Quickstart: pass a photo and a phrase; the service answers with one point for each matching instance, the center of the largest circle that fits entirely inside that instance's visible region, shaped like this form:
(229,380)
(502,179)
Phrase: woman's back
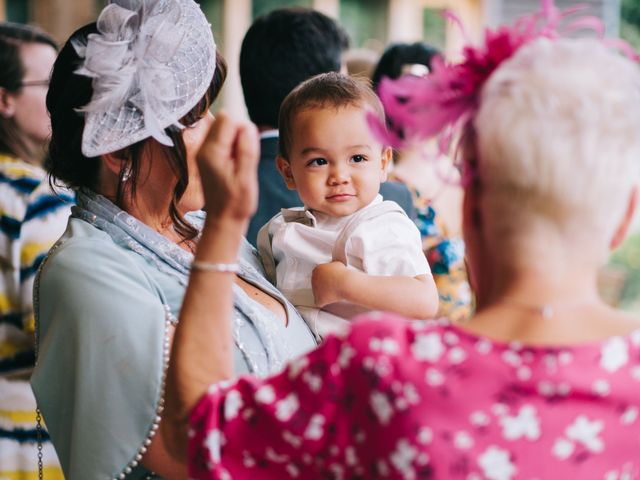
(429,400)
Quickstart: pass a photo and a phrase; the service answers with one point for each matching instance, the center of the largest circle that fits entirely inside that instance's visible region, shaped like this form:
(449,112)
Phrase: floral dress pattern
(423,400)
(445,254)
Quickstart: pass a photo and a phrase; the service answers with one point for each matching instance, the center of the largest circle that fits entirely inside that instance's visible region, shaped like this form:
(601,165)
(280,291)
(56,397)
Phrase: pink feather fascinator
(442,103)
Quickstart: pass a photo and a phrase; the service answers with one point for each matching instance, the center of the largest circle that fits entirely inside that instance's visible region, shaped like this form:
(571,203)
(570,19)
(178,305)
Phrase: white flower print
(562,448)
(457,355)
(479,419)
(315,429)
(635,337)
(291,439)
(423,459)
(273,456)
(450,338)
(434,377)
(525,424)
(346,354)
(523,373)
(411,394)
(292,470)
(402,458)
(213,442)
(563,389)
(483,347)
(425,436)
(350,456)
(511,358)
(586,432)
(313,381)
(614,354)
(462,440)
(381,407)
(384,345)
(496,464)
(383,468)
(286,407)
(546,388)
(629,416)
(565,358)
(247,460)
(601,387)
(635,373)
(297,365)
(427,347)
(265,394)
(499,409)
(232,405)
(551,363)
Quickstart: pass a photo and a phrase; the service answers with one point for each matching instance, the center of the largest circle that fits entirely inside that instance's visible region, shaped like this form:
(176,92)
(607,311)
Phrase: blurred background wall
(371,23)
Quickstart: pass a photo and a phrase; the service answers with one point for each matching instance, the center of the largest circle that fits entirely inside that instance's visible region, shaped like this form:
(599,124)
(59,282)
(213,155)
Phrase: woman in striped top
(32,217)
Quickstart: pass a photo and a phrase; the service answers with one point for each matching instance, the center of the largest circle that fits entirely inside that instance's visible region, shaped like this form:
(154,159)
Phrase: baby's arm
(414,297)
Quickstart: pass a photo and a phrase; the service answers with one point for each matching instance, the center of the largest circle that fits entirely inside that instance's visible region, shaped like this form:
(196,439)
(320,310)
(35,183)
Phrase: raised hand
(228,162)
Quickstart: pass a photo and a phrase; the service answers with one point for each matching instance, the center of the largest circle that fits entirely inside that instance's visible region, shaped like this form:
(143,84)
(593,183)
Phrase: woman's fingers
(228,167)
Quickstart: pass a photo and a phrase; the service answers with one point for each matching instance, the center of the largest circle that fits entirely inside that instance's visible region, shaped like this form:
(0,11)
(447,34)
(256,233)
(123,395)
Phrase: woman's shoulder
(84,253)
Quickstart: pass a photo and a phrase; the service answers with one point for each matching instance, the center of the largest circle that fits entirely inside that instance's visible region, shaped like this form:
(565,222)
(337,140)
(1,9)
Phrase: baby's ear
(386,159)
(284,167)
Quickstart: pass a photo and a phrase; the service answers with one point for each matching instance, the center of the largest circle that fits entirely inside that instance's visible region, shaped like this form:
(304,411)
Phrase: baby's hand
(326,281)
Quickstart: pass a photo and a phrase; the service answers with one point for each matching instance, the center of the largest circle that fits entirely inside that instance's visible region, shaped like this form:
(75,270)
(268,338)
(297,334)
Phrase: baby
(346,251)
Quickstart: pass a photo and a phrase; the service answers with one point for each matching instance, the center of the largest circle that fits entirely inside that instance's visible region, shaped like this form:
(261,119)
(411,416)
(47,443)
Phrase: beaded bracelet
(215,267)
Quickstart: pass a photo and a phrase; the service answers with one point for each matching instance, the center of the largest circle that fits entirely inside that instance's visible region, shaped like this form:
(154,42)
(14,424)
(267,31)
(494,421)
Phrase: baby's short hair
(327,90)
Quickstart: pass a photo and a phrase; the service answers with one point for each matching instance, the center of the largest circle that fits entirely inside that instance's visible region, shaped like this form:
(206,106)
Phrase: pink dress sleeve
(314,416)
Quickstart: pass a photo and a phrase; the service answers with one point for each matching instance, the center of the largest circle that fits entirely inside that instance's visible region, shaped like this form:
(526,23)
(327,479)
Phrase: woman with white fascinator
(129,103)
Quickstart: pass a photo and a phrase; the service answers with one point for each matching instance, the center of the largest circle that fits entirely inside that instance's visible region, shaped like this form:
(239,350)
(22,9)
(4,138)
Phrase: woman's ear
(623,228)
(113,163)
(284,167)
(7,103)
(387,158)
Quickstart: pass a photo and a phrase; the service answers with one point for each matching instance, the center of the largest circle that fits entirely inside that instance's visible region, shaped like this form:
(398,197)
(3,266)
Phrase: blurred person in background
(33,217)
(436,191)
(280,50)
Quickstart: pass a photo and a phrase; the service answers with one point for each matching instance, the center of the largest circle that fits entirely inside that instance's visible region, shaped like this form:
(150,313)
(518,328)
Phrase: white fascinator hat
(150,62)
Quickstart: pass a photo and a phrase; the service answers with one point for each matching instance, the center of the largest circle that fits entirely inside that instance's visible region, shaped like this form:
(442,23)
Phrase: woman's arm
(414,297)
(202,347)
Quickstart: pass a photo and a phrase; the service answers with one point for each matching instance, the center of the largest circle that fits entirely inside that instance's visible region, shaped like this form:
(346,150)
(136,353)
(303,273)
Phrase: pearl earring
(126,174)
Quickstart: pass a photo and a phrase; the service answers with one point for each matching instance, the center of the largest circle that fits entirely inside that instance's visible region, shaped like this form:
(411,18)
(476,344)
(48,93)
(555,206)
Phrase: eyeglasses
(35,83)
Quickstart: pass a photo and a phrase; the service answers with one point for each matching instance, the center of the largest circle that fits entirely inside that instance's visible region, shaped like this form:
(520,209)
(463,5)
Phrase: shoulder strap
(339,252)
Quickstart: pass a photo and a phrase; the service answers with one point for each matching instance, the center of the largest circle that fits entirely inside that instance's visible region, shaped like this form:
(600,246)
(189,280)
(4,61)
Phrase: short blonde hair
(558,137)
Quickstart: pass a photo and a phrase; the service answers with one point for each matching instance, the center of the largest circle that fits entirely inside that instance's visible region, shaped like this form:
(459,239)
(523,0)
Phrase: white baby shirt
(379,240)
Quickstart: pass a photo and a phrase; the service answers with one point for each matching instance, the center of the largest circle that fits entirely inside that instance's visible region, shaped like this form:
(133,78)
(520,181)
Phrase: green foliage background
(626,259)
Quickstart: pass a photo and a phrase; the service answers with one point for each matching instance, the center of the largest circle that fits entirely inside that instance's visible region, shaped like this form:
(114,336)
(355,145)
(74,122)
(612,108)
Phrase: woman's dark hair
(399,55)
(12,71)
(69,91)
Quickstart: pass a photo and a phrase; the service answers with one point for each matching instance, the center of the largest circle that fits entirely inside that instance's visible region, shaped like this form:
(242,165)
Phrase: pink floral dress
(417,400)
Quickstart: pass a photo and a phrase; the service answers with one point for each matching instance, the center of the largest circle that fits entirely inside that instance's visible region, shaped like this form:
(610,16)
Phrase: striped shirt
(32,217)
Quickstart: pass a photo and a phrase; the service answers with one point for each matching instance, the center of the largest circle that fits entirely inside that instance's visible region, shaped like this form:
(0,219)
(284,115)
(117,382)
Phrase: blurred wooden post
(330,8)
(62,17)
(3,10)
(405,20)
(236,21)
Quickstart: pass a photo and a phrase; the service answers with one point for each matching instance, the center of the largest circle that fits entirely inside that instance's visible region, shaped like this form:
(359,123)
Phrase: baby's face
(335,163)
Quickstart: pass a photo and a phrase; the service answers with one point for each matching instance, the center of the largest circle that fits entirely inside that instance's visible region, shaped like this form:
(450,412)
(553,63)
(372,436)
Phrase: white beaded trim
(169,321)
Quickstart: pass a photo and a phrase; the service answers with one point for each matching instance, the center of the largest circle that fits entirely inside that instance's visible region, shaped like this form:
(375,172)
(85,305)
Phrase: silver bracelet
(215,267)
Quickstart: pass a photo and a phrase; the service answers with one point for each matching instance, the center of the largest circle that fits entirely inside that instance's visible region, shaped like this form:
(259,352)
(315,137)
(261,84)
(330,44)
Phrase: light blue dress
(103,313)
